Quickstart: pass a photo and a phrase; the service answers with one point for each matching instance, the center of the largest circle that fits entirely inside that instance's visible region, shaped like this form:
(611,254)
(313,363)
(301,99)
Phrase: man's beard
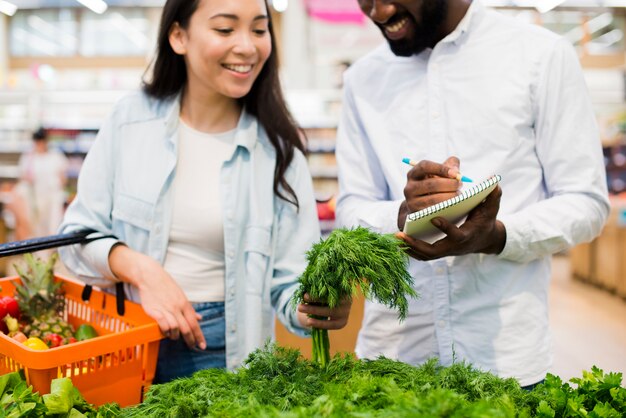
(424,34)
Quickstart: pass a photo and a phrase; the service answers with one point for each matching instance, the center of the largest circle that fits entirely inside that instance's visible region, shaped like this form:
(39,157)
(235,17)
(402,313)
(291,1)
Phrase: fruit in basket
(13,329)
(85,332)
(19,337)
(8,306)
(52,340)
(35,344)
(41,300)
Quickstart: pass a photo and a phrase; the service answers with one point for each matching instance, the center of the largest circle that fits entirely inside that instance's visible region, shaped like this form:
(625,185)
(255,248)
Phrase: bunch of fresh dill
(352,260)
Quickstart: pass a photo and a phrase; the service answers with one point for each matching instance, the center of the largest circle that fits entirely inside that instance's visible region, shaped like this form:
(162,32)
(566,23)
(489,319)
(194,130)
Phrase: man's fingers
(452,162)
(451,230)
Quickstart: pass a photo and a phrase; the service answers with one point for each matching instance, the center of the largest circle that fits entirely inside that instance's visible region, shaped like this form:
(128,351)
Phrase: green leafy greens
(352,260)
(278,382)
(64,400)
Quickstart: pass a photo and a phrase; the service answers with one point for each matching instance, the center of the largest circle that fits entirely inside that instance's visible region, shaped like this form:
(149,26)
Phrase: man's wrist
(498,240)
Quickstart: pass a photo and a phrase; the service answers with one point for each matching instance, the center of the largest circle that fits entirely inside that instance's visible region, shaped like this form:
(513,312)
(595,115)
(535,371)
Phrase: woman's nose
(244,45)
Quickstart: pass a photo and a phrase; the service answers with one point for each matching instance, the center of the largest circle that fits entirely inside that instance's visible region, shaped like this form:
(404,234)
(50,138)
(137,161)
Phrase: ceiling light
(280,5)
(96,6)
(547,5)
(7,8)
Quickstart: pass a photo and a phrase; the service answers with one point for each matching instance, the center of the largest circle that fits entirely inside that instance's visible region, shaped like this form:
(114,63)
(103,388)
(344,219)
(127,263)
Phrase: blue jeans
(534,385)
(177,360)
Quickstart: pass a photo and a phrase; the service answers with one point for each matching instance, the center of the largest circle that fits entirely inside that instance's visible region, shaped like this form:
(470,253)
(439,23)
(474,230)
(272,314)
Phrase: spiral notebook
(455,209)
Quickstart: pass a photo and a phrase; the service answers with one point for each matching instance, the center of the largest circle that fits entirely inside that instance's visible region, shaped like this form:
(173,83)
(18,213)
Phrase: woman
(202,178)
(42,185)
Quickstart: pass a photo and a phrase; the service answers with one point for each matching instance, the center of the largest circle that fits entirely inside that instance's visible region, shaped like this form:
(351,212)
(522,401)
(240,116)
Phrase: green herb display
(350,260)
(64,400)
(278,382)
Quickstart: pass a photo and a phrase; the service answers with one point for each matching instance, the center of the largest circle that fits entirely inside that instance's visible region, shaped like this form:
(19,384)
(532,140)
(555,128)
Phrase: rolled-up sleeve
(570,152)
(298,230)
(91,209)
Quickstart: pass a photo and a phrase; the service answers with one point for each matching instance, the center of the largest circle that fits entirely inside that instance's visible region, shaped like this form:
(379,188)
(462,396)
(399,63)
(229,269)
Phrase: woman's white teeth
(239,68)
(396,26)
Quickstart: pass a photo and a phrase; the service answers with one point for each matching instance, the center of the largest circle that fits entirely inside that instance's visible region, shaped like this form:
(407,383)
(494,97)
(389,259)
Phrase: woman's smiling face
(225,46)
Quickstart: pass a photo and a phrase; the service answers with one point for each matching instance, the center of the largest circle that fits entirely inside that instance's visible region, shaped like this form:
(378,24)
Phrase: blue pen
(459,177)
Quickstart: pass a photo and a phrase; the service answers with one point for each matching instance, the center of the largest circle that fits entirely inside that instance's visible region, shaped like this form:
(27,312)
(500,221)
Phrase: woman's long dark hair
(265,100)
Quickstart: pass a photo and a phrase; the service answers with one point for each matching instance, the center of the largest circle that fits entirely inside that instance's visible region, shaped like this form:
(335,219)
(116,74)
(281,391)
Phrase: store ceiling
(554,3)
(38,4)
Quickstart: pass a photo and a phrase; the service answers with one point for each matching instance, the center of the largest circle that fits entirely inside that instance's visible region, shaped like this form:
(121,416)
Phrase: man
(461,87)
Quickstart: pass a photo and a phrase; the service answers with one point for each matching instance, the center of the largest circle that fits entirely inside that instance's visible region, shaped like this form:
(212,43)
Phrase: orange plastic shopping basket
(117,366)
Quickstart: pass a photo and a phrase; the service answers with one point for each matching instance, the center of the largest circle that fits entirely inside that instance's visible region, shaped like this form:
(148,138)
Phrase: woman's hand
(161,297)
(336,318)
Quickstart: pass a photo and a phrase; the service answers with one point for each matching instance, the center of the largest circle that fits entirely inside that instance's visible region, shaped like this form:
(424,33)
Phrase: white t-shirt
(195,252)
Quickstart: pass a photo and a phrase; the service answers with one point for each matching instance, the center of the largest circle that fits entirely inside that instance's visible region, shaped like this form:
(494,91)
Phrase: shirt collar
(473,14)
(172,113)
(247,127)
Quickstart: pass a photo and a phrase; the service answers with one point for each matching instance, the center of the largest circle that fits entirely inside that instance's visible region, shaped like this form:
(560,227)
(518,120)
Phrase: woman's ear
(178,39)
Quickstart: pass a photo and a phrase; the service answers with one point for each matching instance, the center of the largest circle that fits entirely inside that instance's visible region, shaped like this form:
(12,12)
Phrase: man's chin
(404,49)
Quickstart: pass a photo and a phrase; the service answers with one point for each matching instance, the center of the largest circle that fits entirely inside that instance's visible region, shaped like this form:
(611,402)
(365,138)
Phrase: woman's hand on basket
(161,297)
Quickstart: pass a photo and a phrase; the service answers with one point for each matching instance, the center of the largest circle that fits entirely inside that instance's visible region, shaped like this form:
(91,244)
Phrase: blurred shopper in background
(462,85)
(203,180)
(43,176)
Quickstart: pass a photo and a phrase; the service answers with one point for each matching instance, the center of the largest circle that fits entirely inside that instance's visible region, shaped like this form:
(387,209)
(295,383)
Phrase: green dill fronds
(357,259)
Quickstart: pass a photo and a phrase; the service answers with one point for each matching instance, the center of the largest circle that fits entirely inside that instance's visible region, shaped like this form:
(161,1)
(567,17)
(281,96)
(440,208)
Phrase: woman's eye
(224,31)
(260,31)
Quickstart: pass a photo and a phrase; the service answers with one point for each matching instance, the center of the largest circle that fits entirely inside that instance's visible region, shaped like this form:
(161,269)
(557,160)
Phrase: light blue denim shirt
(125,189)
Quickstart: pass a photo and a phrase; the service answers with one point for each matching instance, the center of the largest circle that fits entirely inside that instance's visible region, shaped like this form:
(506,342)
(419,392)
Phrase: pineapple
(41,300)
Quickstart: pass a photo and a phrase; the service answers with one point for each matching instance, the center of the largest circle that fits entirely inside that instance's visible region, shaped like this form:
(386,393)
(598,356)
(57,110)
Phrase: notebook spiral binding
(454,200)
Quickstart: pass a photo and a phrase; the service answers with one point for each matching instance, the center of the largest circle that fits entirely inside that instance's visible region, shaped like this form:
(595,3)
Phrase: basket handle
(83,236)
(120,296)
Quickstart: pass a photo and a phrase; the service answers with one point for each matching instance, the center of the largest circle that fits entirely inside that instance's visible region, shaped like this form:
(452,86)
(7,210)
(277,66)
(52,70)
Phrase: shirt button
(439,271)
(436,67)
(441,324)
(231,254)
(435,115)
(232,291)
(233,328)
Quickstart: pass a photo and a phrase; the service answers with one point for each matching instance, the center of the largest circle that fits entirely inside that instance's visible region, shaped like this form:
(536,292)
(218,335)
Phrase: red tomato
(3,313)
(11,307)
(53,340)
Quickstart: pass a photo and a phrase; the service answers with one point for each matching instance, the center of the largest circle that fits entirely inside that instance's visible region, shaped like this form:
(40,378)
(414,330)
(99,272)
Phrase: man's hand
(161,297)
(429,183)
(335,318)
(480,233)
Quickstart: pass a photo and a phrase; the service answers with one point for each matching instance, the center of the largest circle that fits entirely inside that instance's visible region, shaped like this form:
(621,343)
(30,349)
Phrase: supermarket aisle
(588,325)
